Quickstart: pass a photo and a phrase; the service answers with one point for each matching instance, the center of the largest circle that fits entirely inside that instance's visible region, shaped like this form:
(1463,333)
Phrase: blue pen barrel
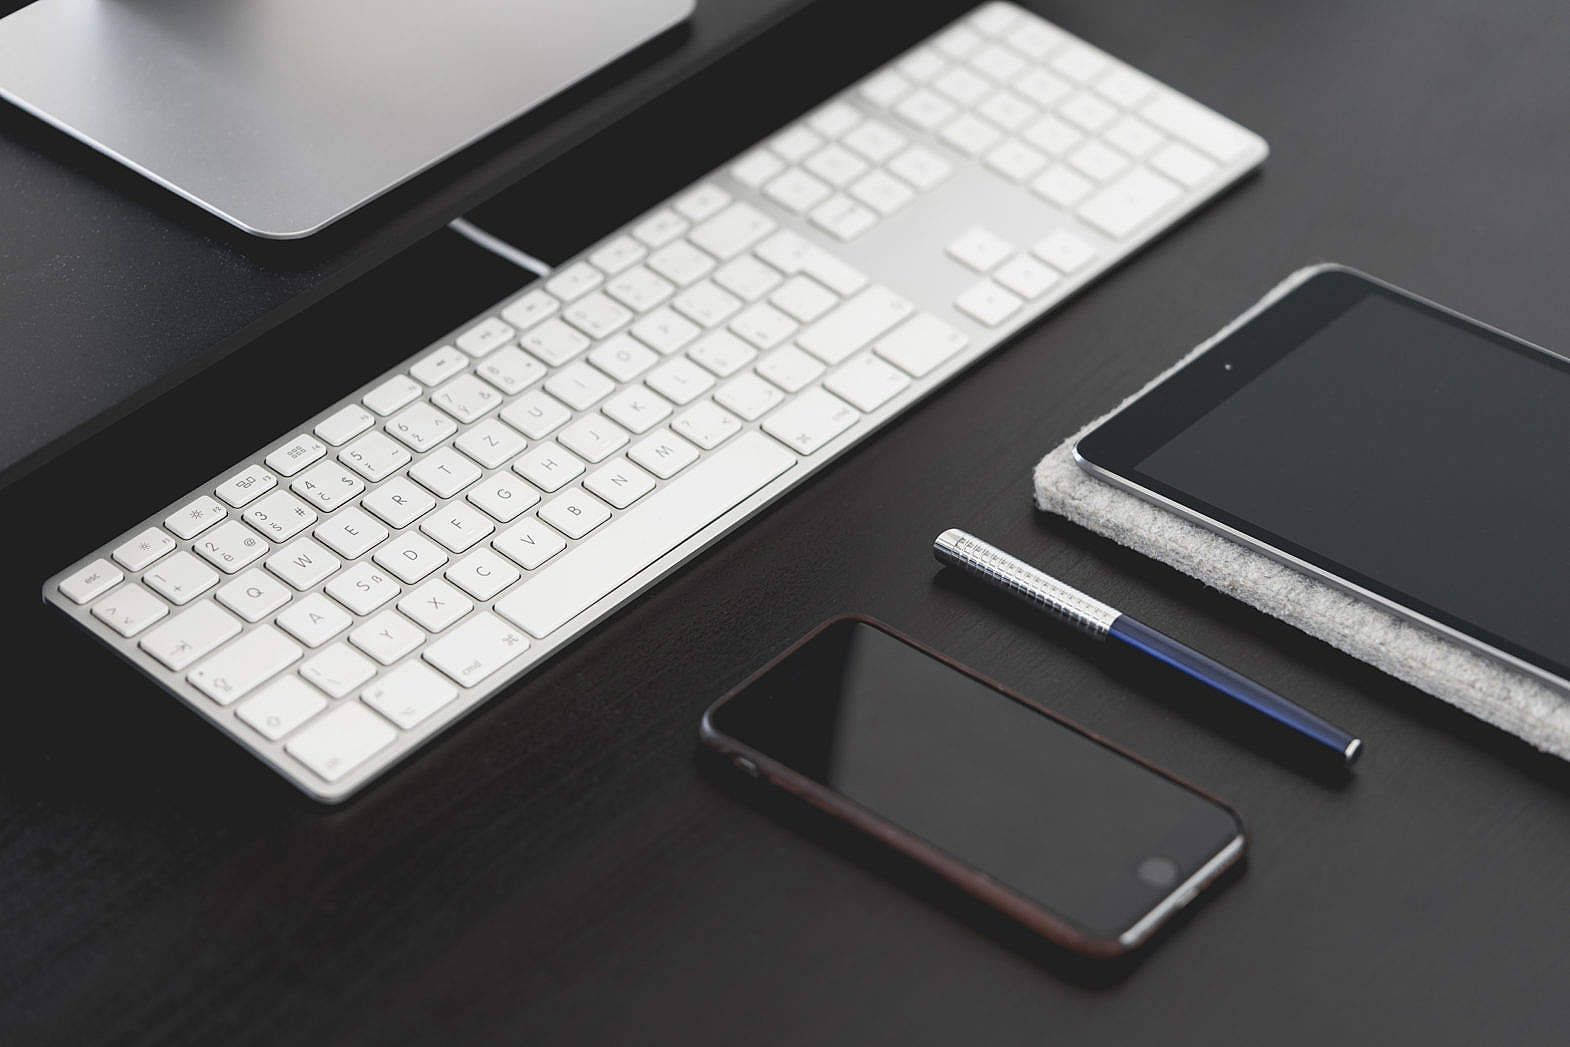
(1212,673)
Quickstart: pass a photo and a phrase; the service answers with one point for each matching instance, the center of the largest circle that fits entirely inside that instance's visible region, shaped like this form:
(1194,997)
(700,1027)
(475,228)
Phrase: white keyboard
(338,598)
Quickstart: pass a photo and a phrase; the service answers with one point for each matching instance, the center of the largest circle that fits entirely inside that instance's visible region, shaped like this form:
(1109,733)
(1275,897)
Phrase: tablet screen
(1411,452)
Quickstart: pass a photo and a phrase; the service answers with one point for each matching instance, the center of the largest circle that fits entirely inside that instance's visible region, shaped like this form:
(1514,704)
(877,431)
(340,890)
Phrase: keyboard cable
(499,247)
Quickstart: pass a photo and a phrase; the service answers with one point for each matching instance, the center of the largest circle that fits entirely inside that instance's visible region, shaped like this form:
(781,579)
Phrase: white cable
(522,259)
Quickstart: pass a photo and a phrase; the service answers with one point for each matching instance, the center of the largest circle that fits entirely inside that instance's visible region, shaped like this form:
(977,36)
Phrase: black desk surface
(561,868)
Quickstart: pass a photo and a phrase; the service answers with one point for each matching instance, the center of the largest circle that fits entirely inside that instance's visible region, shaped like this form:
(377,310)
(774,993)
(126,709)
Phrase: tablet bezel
(1264,335)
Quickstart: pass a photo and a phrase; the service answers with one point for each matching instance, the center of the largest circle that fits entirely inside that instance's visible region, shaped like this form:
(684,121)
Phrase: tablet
(1405,452)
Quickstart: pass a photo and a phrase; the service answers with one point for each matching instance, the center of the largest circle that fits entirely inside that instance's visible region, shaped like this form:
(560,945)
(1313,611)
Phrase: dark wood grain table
(563,868)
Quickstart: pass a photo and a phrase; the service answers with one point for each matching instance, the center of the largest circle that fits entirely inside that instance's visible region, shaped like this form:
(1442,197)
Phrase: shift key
(239,668)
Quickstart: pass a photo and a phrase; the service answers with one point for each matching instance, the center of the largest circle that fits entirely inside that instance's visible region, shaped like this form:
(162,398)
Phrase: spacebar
(643,534)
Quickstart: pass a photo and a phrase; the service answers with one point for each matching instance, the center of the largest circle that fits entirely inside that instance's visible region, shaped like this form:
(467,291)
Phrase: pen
(1089,615)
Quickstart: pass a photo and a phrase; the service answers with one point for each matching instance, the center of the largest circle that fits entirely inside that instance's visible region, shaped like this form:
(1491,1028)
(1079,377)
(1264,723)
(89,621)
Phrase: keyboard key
(491,443)
(926,110)
(281,706)
(866,382)
(1182,164)
(313,620)
(529,543)
(842,217)
(536,414)
(747,278)
(1015,161)
(93,580)
(680,263)
(1052,136)
(548,466)
(409,694)
(763,325)
(482,574)
(680,381)
(810,421)
(440,365)
(834,119)
(338,669)
(129,609)
(885,88)
(485,337)
(920,345)
(398,502)
(702,201)
(375,456)
(503,496)
(554,343)
(435,605)
(620,483)
(962,85)
(246,486)
(190,634)
(398,391)
(836,166)
(920,167)
(245,664)
(980,249)
(530,308)
(457,526)
(623,357)
(295,455)
(341,740)
(854,325)
(1026,277)
(663,453)
(1087,112)
(303,563)
(971,136)
(1128,203)
(596,316)
(195,517)
(180,578)
(988,303)
(142,550)
(796,190)
(421,426)
(1133,136)
(706,304)
(387,637)
(595,437)
(363,588)
(637,409)
(1062,185)
(1064,251)
(748,396)
(231,546)
(734,229)
(444,472)
(722,353)
(1079,63)
(1042,87)
(466,398)
(1196,126)
(640,289)
(542,604)
(476,649)
(280,516)
(574,281)
(660,228)
(875,140)
(342,426)
(351,533)
(789,368)
(706,424)
(1124,86)
(617,254)
(327,485)
(253,595)
(575,513)
(410,557)
(511,370)
(997,62)
(1098,161)
(665,331)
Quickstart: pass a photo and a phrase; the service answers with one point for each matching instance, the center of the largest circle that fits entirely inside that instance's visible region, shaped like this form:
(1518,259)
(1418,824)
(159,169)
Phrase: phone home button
(1158,872)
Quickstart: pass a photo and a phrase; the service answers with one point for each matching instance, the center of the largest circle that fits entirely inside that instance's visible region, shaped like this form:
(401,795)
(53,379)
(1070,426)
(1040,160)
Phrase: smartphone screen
(1093,837)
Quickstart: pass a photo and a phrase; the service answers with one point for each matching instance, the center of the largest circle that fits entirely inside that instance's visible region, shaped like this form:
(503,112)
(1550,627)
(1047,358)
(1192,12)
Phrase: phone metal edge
(1281,290)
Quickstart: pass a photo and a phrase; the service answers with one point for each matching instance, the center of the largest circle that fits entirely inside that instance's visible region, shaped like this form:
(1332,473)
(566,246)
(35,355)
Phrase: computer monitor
(282,116)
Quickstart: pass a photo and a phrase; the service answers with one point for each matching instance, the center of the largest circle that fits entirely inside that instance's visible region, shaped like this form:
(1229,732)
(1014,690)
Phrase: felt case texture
(1483,686)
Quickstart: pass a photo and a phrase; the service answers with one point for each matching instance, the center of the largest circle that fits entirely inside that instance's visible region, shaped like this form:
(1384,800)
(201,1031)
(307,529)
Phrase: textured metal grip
(1042,591)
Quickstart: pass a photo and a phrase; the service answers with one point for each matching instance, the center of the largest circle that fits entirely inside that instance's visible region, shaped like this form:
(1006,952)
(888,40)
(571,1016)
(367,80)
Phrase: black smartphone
(1084,843)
